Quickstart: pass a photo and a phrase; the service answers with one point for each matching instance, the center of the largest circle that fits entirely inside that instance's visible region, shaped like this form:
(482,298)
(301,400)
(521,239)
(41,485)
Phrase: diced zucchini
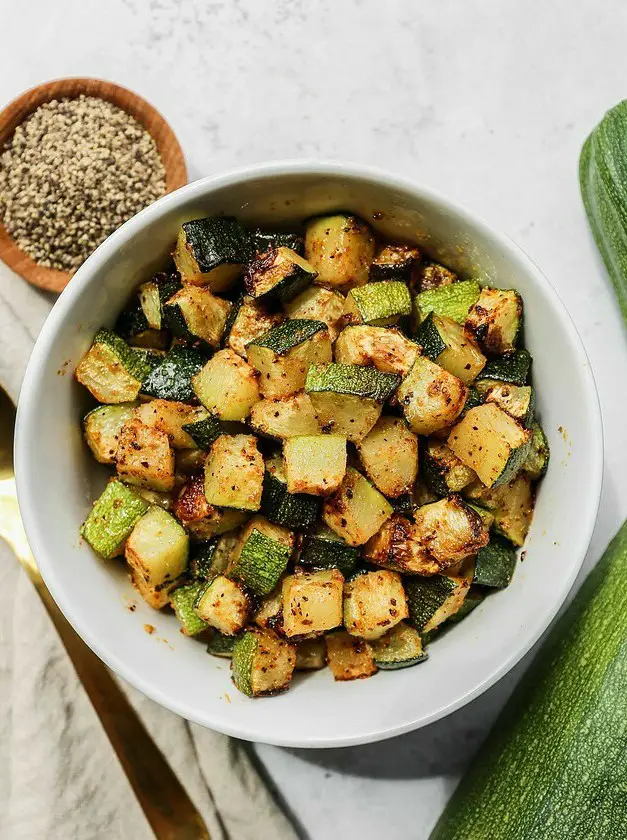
(374,602)
(450,530)
(102,429)
(145,457)
(319,304)
(201,519)
(397,546)
(141,322)
(495,564)
(487,517)
(285,418)
(433,600)
(325,550)
(264,240)
(400,647)
(293,510)
(171,379)
(513,515)
(170,417)
(442,470)
(311,655)
(279,274)
(394,262)
(453,300)
(270,612)
(513,368)
(379,304)
(389,454)
(212,252)
(432,276)
(182,600)
(112,518)
(111,370)
(157,550)
(431,397)
(537,460)
(387,349)
(312,601)
(348,398)
(203,564)
(470,602)
(348,657)
(262,555)
(227,386)
(223,604)
(495,320)
(220,645)
(340,248)
(314,464)
(491,443)
(284,354)
(444,341)
(150,302)
(357,510)
(262,663)
(251,320)
(517,400)
(234,473)
(204,432)
(195,313)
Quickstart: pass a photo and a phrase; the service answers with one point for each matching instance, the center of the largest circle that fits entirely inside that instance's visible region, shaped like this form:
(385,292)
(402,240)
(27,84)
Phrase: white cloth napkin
(59,777)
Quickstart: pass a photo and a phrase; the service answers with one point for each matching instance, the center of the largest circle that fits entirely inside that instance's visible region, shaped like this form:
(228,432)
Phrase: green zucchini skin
(261,563)
(205,432)
(603,183)
(360,381)
(292,510)
(430,339)
(513,368)
(425,596)
(183,600)
(171,379)
(553,766)
(320,552)
(473,399)
(265,240)
(495,563)
(454,300)
(537,461)
(290,334)
(217,240)
(221,645)
(201,564)
(112,518)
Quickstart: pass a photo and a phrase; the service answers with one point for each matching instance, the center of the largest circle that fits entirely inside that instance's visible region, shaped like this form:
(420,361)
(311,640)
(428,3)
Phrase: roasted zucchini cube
(251,320)
(517,400)
(234,473)
(227,386)
(280,505)
(348,399)
(171,378)
(397,546)
(445,341)
(112,518)
(285,418)
(374,602)
(357,510)
(451,300)
(495,320)
(434,600)
(400,647)
(537,461)
(195,313)
(318,304)
(145,457)
(432,276)
(495,564)
(325,550)
(442,470)
(491,443)
(379,304)
(102,428)
(170,417)
(387,349)
(157,551)
(450,530)
(513,368)
(311,655)
(261,555)
(263,664)
(224,604)
(431,397)
(348,657)
(284,355)
(389,454)
(204,432)
(182,601)
(340,248)
(280,274)
(111,370)
(201,519)
(269,615)
(514,511)
(312,601)
(394,262)
(314,464)
(212,252)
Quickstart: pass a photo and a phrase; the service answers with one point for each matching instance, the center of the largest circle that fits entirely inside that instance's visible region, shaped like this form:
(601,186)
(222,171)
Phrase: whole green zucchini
(553,767)
(603,181)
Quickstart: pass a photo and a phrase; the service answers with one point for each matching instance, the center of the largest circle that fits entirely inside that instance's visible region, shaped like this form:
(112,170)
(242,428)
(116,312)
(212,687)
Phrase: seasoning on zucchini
(250,319)
(227,386)
(400,647)
(172,378)
(234,473)
(389,454)
(442,470)
(145,457)
(182,600)
(341,249)
(357,510)
(444,341)
(452,300)
(348,657)
(374,603)
(223,604)
(212,252)
(314,464)
(387,349)
(495,320)
(286,418)
(379,304)
(517,400)
(280,274)
(111,370)
(204,432)
(293,510)
(262,663)
(195,314)
(262,554)
(112,518)
(495,564)
(450,530)
(394,262)
(312,601)
(537,460)
(324,549)
(102,428)
(318,304)
(397,546)
(433,275)
(170,417)
(433,600)
(512,367)
(431,397)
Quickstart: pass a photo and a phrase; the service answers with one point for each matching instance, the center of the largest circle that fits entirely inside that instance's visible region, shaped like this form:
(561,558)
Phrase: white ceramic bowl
(57,479)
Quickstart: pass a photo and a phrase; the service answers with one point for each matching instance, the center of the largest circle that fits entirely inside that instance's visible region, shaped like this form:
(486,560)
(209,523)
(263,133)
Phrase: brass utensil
(166,805)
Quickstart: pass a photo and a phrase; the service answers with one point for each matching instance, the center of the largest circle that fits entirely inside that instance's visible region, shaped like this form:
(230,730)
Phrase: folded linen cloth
(59,777)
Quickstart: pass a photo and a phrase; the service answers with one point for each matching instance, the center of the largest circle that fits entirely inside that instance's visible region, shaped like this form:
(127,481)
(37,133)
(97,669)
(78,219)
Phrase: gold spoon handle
(166,805)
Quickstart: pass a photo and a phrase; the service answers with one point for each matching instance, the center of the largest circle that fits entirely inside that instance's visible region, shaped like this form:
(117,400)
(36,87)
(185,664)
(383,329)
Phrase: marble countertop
(488,106)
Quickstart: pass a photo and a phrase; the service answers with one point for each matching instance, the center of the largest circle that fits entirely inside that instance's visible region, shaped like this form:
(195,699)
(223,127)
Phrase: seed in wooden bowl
(73,172)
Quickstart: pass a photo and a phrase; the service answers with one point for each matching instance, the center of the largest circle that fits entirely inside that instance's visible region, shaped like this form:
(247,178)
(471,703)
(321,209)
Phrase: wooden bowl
(16,112)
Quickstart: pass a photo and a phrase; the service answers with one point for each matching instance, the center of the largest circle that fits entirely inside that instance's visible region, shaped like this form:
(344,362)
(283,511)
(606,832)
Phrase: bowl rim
(28,408)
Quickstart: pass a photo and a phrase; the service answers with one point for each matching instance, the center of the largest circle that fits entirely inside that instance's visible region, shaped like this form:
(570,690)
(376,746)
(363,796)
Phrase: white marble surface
(487,102)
